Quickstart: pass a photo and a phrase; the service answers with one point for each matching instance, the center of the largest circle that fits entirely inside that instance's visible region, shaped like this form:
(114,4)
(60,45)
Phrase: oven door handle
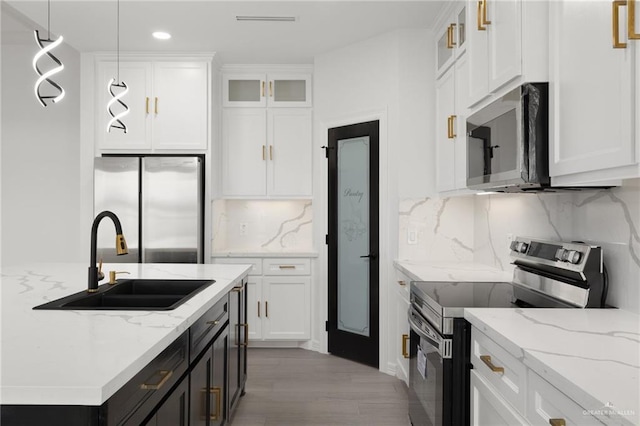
(443,346)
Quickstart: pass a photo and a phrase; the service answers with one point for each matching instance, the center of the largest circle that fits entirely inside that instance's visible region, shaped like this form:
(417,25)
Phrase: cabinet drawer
(135,400)
(500,368)
(292,266)
(256,263)
(545,402)
(205,329)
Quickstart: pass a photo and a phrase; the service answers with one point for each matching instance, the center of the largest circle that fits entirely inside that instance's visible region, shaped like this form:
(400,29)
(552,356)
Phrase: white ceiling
(210,25)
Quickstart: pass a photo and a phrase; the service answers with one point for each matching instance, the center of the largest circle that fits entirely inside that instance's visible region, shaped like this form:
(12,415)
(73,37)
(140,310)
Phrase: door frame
(387,232)
(347,344)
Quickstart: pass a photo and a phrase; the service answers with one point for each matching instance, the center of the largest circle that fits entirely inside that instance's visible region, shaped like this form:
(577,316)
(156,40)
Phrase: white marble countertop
(591,355)
(264,253)
(451,271)
(69,357)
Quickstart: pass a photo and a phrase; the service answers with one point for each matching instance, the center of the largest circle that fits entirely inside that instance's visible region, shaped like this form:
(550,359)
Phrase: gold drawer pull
(246,334)
(266,309)
(156,105)
(402,282)
(270,152)
(287,267)
(146,108)
(405,339)
(487,360)
(164,376)
(271,89)
(557,422)
(237,289)
(264,152)
(216,322)
(479,16)
(484,13)
(258,309)
(218,414)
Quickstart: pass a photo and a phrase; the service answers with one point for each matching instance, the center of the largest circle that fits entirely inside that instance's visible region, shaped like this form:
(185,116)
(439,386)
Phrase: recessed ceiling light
(267,18)
(161,35)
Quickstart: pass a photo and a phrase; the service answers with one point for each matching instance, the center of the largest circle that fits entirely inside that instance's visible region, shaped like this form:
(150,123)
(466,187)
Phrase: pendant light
(46,46)
(117,88)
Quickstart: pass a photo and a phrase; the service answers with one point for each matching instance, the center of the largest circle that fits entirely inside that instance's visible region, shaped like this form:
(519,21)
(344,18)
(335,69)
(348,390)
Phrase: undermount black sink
(132,295)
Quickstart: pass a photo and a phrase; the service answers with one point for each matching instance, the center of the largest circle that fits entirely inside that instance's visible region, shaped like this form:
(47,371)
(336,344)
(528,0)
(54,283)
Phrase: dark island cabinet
(187,384)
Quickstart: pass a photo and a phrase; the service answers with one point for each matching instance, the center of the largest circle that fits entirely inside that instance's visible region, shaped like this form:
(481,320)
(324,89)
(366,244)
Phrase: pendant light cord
(117,39)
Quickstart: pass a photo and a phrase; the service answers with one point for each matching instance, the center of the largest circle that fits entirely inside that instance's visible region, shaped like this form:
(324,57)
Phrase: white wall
(384,78)
(40,153)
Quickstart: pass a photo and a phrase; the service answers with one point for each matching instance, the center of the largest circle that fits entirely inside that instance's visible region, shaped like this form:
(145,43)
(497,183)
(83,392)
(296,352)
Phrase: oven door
(430,374)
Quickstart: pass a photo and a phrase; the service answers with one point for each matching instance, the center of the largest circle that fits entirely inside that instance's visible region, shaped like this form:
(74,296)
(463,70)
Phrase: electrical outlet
(243,228)
(412,236)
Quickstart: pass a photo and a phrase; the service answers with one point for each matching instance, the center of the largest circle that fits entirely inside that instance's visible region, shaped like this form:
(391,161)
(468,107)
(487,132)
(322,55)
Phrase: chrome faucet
(95,274)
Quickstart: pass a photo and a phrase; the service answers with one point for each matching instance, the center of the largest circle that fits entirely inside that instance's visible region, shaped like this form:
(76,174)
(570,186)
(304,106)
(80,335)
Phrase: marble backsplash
(476,228)
(262,225)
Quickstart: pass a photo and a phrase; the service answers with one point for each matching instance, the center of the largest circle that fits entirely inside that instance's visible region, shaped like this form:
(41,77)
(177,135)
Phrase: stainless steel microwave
(508,142)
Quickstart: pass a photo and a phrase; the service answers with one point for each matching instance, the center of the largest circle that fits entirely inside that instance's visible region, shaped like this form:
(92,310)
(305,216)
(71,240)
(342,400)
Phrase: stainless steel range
(547,274)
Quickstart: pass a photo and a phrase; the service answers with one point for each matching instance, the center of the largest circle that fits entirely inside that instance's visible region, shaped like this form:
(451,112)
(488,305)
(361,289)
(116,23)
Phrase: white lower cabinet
(546,405)
(400,343)
(505,392)
(278,297)
(488,407)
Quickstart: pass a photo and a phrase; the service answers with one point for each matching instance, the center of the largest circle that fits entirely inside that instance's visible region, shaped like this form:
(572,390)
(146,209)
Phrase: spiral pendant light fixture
(117,89)
(46,46)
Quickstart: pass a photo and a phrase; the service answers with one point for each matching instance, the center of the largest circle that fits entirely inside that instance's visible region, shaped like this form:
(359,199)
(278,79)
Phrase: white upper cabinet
(261,90)
(266,152)
(451,140)
(508,43)
(168,105)
(451,37)
(593,107)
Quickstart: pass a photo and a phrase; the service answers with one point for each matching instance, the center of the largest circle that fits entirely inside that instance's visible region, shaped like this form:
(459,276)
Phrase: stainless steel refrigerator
(160,203)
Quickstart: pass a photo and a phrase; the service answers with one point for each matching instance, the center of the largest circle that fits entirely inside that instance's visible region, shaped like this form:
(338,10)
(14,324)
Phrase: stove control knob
(561,254)
(574,256)
(522,247)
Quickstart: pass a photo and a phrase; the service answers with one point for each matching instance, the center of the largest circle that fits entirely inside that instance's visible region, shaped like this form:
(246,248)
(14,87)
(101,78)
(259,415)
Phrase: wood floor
(299,387)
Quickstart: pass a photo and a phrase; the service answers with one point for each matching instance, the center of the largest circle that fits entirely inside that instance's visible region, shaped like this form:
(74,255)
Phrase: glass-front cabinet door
(451,40)
(260,90)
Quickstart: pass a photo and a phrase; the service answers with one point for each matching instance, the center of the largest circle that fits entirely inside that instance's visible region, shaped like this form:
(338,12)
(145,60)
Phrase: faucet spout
(121,246)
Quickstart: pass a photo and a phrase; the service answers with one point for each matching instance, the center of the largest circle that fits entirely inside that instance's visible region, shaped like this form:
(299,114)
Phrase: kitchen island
(82,358)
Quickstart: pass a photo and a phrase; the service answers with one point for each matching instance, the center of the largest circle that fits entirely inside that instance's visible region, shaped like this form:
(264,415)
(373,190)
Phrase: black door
(353,241)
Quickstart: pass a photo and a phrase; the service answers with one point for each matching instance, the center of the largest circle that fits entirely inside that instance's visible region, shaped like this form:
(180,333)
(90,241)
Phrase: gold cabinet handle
(237,289)
(402,282)
(453,127)
(205,394)
(156,105)
(264,153)
(266,309)
(271,89)
(479,17)
(617,44)
(270,152)
(246,334)
(484,13)
(262,90)
(405,339)
(146,105)
(287,266)
(453,35)
(216,322)
(449,38)
(164,376)
(631,20)
(557,422)
(258,309)
(449,127)
(487,360)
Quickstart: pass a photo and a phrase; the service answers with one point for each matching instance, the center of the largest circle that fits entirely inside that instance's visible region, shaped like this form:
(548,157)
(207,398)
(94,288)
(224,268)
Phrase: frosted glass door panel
(353,235)
(289,90)
(244,90)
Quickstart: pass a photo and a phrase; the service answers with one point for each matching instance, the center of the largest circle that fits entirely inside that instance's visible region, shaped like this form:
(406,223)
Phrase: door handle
(615,16)
(372,256)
